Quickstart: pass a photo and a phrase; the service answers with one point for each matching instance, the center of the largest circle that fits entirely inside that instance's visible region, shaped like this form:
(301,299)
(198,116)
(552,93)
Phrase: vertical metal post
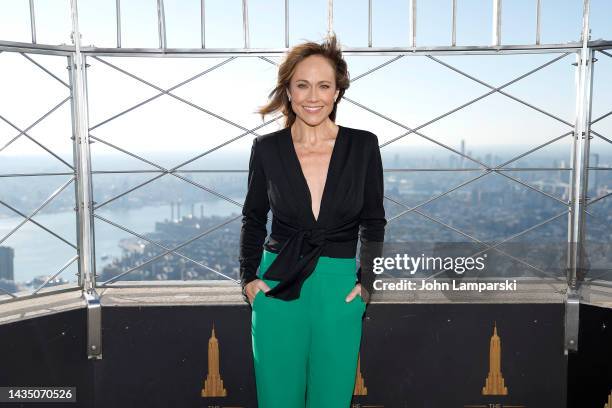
(161,24)
(330,16)
(286,23)
(118,14)
(579,184)
(413,18)
(538,20)
(369,23)
(76,159)
(32,22)
(203,23)
(245,22)
(454,29)
(84,189)
(497,16)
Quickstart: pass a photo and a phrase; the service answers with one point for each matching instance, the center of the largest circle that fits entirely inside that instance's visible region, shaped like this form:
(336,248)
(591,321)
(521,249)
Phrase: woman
(324,185)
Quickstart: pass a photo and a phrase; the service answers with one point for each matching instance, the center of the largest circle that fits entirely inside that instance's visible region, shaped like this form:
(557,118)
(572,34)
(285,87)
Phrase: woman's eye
(301,86)
(325,86)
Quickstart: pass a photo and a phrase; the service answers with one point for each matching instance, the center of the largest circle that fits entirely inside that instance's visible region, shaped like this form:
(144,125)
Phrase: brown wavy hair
(278,99)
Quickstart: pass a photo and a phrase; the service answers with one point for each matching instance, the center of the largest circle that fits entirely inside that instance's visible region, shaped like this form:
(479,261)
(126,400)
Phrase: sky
(410,91)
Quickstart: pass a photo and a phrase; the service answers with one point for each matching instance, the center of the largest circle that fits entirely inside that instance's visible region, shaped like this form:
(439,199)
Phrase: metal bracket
(572,309)
(94,325)
(592,61)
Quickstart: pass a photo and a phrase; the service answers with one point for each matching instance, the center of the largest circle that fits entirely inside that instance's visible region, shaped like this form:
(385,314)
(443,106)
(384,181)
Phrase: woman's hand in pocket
(358,290)
(255,286)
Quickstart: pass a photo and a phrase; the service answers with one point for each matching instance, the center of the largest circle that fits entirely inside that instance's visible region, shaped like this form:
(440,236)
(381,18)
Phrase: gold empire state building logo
(360,388)
(495,380)
(609,403)
(213,385)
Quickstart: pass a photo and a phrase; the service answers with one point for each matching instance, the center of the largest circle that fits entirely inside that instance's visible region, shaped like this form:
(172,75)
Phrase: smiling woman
(310,70)
(324,184)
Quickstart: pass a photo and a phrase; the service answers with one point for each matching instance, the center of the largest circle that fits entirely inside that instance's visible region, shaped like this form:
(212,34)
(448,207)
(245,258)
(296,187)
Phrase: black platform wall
(413,355)
(590,369)
(47,351)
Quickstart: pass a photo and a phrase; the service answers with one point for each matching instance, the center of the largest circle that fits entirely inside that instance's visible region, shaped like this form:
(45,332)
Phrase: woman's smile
(312,109)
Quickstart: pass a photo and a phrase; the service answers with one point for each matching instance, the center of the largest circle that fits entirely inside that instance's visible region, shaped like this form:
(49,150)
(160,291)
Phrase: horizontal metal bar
(388,170)
(162,171)
(280,52)
(480,169)
(442,50)
(15,46)
(168,283)
(52,291)
(35,174)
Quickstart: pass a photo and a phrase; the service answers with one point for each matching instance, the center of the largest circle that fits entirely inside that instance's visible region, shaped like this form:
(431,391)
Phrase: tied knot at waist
(294,263)
(315,236)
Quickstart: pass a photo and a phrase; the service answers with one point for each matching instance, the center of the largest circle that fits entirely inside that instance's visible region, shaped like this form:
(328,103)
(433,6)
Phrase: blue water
(37,252)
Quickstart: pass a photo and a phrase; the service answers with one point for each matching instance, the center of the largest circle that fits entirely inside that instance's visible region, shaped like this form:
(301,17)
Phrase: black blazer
(352,203)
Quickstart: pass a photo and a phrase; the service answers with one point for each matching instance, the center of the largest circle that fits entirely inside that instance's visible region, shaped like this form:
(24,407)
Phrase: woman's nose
(313,95)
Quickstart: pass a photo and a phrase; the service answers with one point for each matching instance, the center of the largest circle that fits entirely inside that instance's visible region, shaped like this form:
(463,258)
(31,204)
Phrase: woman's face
(313,89)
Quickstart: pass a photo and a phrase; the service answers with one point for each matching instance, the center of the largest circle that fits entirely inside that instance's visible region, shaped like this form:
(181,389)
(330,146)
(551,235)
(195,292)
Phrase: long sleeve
(254,219)
(373,221)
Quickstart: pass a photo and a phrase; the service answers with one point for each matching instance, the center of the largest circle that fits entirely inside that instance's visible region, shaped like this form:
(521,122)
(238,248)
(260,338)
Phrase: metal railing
(78,57)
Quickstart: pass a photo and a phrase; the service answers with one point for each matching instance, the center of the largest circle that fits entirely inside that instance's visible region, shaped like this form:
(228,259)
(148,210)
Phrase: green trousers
(305,350)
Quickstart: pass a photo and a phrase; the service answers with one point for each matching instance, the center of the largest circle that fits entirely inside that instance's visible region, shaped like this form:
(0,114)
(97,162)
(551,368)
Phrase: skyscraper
(7,255)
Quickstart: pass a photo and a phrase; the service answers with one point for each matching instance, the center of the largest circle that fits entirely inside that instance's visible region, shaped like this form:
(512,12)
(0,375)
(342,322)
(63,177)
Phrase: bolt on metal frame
(81,173)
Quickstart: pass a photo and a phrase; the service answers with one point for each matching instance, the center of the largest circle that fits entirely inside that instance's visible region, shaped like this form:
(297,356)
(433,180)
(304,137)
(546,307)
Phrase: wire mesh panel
(599,236)
(475,153)
(38,229)
(181,136)
(476,115)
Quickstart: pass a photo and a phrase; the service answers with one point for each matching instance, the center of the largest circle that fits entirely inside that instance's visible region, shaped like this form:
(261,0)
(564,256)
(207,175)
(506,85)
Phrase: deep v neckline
(303,177)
